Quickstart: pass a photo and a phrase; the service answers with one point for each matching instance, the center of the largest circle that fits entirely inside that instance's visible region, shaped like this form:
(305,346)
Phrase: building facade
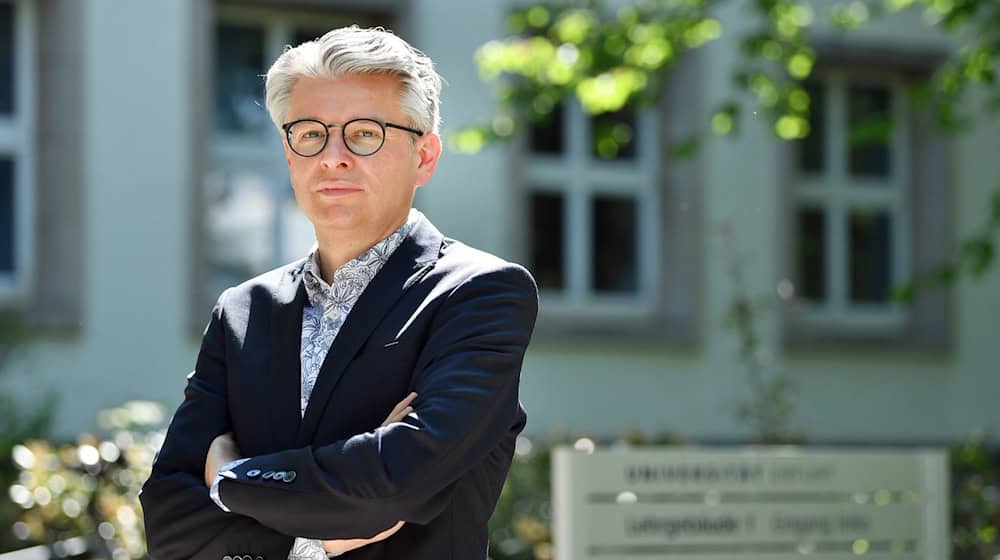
(140,175)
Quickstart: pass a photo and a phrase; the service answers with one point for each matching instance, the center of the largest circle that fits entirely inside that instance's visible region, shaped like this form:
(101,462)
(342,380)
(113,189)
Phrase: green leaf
(685,148)
(904,293)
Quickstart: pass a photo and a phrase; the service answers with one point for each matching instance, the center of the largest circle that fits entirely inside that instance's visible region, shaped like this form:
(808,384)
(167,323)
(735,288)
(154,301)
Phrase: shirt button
(289,476)
(252,473)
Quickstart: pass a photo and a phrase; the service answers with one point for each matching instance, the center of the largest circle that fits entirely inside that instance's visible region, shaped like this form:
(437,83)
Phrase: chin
(338,221)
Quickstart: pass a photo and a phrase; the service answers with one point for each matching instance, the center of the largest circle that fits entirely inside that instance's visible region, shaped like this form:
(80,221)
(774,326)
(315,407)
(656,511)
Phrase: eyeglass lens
(363,137)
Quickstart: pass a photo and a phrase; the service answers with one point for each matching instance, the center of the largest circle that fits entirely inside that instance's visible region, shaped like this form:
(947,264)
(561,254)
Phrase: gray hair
(353,50)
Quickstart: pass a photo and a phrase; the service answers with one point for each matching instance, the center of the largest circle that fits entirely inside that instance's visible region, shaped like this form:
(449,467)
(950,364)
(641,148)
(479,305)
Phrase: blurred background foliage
(19,420)
(86,492)
(607,59)
(769,406)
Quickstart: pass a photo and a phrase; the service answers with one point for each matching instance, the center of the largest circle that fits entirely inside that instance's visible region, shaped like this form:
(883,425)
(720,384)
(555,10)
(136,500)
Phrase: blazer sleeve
(181,520)
(467,380)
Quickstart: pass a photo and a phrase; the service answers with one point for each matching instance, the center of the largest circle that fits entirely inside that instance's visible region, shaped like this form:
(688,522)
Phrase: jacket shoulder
(465,263)
(264,285)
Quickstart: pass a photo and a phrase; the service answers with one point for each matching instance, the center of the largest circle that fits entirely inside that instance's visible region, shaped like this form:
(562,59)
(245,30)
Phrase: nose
(335,154)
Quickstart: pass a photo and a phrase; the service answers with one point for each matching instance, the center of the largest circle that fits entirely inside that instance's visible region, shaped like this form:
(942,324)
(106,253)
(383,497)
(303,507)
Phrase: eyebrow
(317,118)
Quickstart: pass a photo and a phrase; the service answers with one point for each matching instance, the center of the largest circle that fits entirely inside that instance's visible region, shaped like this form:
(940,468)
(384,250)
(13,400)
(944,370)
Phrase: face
(365,197)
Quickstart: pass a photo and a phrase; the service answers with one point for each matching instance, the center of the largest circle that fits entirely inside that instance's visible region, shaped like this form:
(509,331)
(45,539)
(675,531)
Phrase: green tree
(613,59)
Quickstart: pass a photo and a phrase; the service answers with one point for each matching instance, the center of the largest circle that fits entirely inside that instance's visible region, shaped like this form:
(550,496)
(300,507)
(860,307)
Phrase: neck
(337,248)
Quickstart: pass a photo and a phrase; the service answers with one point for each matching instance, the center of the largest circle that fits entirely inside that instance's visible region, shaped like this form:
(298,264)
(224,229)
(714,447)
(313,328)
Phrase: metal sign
(753,503)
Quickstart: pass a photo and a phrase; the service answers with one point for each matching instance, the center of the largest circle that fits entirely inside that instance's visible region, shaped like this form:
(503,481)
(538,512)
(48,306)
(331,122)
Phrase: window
(16,150)
(851,226)
(592,208)
(869,205)
(251,218)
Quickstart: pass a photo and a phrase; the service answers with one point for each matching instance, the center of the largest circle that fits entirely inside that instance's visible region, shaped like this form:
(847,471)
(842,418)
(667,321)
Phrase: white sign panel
(756,503)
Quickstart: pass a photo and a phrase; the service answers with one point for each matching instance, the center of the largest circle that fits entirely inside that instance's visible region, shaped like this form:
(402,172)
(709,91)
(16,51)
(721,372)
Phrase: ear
(428,152)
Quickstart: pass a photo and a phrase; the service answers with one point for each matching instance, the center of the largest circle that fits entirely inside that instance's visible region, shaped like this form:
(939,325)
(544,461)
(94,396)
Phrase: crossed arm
(467,378)
(224,450)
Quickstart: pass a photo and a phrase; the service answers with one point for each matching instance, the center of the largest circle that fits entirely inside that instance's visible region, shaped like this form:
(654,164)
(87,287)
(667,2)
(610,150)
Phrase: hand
(343,545)
(223,450)
(400,411)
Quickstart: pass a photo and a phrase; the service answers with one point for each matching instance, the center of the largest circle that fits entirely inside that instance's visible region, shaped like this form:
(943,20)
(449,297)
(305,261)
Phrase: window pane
(812,149)
(7,82)
(615,237)
(239,87)
(614,135)
(871,256)
(870,130)
(7,231)
(547,241)
(253,224)
(547,135)
(811,231)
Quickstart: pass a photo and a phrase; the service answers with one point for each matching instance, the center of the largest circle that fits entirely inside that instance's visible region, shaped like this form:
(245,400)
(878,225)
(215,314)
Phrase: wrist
(224,472)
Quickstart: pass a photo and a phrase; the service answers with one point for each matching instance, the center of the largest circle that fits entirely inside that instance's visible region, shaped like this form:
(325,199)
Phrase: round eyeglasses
(363,137)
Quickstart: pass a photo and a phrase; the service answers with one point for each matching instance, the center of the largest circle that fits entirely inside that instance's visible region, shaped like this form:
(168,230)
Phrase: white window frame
(17,140)
(579,176)
(836,193)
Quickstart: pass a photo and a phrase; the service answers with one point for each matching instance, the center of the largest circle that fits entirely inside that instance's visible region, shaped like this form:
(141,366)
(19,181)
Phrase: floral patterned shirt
(322,318)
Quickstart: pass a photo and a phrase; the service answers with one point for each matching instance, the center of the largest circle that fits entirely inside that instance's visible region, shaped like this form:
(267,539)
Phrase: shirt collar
(367,263)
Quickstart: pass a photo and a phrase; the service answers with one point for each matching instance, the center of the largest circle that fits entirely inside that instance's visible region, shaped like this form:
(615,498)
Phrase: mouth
(337,188)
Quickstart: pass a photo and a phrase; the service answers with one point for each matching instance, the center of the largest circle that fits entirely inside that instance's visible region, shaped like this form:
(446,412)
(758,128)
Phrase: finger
(341,546)
(387,533)
(403,404)
(403,414)
(344,545)
(400,411)
(398,417)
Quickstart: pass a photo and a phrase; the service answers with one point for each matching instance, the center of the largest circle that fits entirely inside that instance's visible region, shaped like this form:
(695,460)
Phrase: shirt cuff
(225,472)
(309,549)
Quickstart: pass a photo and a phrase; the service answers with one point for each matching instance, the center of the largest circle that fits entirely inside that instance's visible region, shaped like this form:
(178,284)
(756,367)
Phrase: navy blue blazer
(440,318)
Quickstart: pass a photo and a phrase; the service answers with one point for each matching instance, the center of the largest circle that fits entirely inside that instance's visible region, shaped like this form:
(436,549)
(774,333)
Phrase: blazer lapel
(284,369)
(411,260)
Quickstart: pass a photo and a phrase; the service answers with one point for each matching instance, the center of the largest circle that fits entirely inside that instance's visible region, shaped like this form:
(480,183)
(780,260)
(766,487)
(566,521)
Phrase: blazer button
(227,557)
(278,475)
(289,476)
(253,473)
(258,558)
(267,475)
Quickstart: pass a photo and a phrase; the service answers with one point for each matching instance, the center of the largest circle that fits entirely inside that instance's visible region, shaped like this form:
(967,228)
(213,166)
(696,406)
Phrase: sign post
(753,503)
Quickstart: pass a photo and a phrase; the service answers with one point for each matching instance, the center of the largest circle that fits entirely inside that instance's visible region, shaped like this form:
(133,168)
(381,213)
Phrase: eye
(311,135)
(365,133)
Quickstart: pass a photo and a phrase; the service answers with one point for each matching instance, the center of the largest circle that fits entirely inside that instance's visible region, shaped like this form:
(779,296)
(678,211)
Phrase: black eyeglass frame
(287,127)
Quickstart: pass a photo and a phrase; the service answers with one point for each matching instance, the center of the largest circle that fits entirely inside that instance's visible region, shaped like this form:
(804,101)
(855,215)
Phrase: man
(277,450)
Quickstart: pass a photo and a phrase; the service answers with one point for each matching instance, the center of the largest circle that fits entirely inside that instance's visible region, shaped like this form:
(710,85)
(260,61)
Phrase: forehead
(339,98)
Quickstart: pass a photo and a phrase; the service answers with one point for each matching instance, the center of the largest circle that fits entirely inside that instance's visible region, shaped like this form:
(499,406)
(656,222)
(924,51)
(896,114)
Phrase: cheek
(298,173)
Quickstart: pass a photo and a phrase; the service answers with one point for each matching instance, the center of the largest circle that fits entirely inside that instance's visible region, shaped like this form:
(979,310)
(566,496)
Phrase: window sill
(801,338)
(580,327)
